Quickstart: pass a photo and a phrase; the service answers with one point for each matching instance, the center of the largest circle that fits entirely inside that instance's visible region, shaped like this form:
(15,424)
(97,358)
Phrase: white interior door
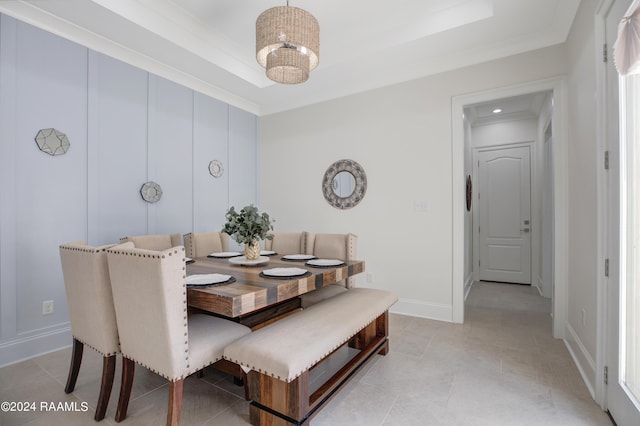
(623,284)
(505,214)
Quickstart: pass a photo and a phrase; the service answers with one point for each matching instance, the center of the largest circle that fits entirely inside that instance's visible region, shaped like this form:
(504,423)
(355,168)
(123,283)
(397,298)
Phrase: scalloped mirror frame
(358,192)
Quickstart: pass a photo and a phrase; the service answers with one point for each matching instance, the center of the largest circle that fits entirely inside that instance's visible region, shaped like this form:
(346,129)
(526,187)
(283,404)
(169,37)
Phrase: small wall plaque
(215,168)
(151,192)
(52,141)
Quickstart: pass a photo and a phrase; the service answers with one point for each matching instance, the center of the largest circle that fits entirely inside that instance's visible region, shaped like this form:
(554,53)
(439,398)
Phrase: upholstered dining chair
(154,242)
(286,242)
(150,299)
(330,246)
(91,313)
(200,244)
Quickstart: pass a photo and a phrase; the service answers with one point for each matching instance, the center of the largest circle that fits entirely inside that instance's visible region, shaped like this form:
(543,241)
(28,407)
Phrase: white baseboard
(538,285)
(468,282)
(418,308)
(23,348)
(581,358)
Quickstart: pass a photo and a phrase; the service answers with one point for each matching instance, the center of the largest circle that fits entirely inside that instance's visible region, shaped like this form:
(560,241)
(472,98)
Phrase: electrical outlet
(584,319)
(47,307)
(369,277)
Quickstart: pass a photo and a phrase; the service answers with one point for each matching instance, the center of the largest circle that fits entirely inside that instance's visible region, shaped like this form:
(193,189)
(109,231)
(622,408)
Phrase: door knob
(525,230)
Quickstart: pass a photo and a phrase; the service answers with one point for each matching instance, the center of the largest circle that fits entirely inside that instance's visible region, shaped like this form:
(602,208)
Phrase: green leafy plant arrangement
(248,225)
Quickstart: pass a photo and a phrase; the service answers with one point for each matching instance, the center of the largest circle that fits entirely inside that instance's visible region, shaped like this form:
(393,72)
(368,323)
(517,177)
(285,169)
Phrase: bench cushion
(289,347)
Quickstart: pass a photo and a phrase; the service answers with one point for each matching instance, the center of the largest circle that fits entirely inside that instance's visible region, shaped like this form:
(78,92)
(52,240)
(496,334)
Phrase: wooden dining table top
(252,291)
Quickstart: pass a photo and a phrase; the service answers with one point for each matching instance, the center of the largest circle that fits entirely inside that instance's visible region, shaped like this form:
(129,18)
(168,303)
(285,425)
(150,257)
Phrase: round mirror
(344,184)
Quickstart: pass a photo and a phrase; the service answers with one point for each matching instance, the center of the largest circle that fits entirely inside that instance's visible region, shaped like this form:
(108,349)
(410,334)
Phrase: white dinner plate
(241,260)
(207,279)
(325,262)
(267,253)
(225,254)
(298,256)
(284,272)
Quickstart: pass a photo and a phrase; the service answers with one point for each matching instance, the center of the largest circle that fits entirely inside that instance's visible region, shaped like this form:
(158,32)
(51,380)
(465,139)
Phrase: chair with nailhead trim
(150,298)
(285,243)
(330,246)
(91,313)
(154,242)
(201,244)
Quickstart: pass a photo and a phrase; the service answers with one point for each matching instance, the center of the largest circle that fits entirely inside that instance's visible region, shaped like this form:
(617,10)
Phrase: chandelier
(287,43)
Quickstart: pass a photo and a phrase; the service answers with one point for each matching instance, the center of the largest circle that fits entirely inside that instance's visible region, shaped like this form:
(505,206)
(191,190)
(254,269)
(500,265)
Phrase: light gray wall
(402,137)
(126,127)
(583,160)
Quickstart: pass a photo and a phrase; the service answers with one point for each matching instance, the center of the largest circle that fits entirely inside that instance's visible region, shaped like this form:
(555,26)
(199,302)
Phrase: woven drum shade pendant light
(287,43)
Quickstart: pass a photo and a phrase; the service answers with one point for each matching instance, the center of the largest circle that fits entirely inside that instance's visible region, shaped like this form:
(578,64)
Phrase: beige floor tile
(373,406)
(502,367)
(201,402)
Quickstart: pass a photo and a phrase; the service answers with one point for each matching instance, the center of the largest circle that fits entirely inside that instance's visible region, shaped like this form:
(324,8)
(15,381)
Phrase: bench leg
(258,416)
(276,402)
(378,328)
(385,349)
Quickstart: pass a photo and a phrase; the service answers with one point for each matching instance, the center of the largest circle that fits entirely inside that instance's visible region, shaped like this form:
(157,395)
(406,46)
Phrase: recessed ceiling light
(497,110)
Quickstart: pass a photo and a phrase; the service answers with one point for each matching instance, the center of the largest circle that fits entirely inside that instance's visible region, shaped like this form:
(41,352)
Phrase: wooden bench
(280,356)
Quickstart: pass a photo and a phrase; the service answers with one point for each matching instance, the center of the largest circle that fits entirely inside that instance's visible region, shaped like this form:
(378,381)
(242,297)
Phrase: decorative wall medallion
(52,141)
(151,192)
(344,184)
(215,168)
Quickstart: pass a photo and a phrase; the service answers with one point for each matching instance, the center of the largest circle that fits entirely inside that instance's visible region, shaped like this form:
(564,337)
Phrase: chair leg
(74,368)
(175,402)
(128,369)
(108,373)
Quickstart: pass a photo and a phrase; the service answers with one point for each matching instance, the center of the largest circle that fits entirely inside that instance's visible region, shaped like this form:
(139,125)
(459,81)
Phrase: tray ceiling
(209,45)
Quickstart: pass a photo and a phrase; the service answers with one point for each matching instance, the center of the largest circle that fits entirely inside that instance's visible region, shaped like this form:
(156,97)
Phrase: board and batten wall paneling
(170,156)
(8,169)
(126,127)
(49,193)
(117,151)
(243,157)
(210,142)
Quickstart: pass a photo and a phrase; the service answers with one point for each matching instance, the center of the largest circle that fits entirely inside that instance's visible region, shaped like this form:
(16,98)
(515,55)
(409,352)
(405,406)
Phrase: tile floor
(501,367)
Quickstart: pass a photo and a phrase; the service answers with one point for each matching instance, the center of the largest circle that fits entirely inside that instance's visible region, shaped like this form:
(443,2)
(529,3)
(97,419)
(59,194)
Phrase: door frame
(532,215)
(558,86)
(604,213)
(602,194)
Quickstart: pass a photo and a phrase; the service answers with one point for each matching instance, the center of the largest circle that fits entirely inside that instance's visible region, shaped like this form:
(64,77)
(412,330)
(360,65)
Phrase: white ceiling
(514,108)
(209,45)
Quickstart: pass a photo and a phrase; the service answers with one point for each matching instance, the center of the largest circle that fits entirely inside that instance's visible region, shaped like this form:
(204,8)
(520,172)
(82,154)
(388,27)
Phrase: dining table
(250,296)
